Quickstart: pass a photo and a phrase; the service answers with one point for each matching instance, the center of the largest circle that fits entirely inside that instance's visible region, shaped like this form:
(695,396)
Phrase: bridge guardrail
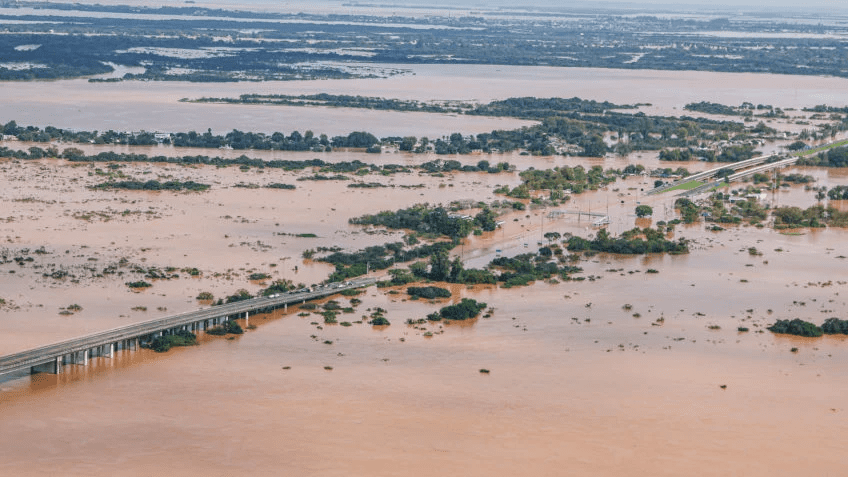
(42,354)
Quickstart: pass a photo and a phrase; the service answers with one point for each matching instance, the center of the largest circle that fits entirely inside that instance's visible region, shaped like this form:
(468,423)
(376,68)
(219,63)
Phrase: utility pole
(542,228)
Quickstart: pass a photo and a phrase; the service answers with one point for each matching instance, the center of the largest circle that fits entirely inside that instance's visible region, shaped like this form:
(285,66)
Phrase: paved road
(711,172)
(45,354)
(740,175)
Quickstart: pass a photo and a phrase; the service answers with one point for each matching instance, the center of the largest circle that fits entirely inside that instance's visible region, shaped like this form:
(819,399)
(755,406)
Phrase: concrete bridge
(741,175)
(765,167)
(735,166)
(52,358)
(756,164)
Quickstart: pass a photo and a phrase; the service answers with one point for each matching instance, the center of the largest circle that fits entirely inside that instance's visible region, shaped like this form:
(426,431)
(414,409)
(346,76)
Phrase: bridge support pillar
(285,307)
(109,350)
(79,357)
(246,319)
(52,367)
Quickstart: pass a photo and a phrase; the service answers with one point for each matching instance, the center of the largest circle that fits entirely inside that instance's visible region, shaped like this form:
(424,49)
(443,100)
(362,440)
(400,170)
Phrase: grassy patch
(820,148)
(686,186)
(719,186)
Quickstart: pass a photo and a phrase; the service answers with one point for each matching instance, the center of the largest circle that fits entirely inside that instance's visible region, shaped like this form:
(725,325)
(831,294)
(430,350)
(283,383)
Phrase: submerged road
(51,358)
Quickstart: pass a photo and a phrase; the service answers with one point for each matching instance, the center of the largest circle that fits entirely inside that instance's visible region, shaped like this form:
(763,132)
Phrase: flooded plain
(578,382)
(155,106)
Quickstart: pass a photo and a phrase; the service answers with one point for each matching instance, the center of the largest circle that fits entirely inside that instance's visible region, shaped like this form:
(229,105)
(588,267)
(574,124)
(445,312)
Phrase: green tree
(796,146)
(419,269)
(408,143)
(11,128)
(486,219)
(279,286)
(240,295)
(724,173)
(456,270)
(593,146)
(73,153)
(440,266)
(644,211)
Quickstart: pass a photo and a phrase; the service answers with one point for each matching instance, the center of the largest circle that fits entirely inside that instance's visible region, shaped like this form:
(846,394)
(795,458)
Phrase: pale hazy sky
(760,4)
(807,7)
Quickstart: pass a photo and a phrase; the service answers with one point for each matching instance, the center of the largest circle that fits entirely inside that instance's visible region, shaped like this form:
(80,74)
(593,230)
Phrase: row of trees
(576,179)
(814,216)
(277,141)
(452,165)
(575,122)
(173,185)
(526,107)
(380,257)
(734,153)
(836,157)
(356,166)
(838,193)
(421,218)
(86,47)
(526,268)
(635,241)
(798,327)
(466,309)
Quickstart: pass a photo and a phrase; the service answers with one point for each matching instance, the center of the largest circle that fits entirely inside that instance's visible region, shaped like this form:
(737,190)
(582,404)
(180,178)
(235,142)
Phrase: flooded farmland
(623,373)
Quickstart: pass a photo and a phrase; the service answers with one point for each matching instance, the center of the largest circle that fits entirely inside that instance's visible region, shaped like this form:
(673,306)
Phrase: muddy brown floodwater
(154,106)
(578,383)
